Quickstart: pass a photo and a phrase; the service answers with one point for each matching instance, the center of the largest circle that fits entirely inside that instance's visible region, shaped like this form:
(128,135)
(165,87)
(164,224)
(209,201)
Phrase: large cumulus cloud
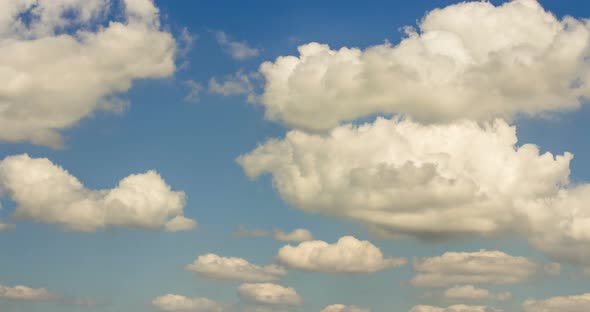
(469,60)
(62,60)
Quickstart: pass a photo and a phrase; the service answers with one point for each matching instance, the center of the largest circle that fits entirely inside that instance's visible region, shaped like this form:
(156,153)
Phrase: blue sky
(193,145)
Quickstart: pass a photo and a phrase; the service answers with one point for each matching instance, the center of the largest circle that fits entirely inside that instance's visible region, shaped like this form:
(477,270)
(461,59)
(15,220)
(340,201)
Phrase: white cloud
(180,223)
(343,308)
(482,267)
(408,179)
(297,235)
(470,292)
(347,255)
(269,294)
(46,193)
(466,53)
(237,84)
(26,293)
(234,269)
(53,78)
(173,303)
(454,308)
(237,50)
(580,303)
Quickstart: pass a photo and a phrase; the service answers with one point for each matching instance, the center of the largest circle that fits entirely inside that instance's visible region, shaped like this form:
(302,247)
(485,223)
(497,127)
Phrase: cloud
(27,293)
(408,179)
(237,84)
(470,292)
(347,255)
(454,308)
(180,223)
(173,303)
(269,294)
(46,193)
(580,303)
(66,61)
(237,50)
(234,269)
(6,227)
(466,53)
(195,90)
(297,235)
(482,267)
(343,308)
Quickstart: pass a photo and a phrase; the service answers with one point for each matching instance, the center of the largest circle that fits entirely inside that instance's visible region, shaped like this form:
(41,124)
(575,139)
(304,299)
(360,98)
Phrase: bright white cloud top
(482,267)
(269,294)
(178,303)
(47,193)
(469,60)
(234,269)
(57,70)
(347,255)
(579,303)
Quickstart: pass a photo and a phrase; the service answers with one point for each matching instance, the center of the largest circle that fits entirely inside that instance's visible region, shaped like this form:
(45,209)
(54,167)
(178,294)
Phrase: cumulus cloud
(408,179)
(173,303)
(454,308)
(466,53)
(234,269)
(26,293)
(269,294)
(343,308)
(47,193)
(347,255)
(482,267)
(61,61)
(237,50)
(580,303)
(470,292)
(180,223)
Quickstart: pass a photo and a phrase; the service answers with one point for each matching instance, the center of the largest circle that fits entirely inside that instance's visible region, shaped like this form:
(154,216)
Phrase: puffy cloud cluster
(343,308)
(580,303)
(46,193)
(269,294)
(177,303)
(26,293)
(482,267)
(454,308)
(406,178)
(468,60)
(234,269)
(347,255)
(62,60)
(470,292)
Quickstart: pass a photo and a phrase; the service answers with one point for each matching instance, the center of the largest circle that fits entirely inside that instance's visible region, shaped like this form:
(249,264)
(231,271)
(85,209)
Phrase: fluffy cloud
(173,303)
(234,269)
(61,60)
(470,292)
(269,294)
(44,192)
(471,52)
(237,50)
(347,255)
(454,308)
(482,267)
(579,303)
(26,293)
(343,308)
(404,178)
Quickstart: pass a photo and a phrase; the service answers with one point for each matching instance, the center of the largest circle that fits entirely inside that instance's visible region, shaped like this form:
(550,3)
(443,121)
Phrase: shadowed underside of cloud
(67,61)
(46,193)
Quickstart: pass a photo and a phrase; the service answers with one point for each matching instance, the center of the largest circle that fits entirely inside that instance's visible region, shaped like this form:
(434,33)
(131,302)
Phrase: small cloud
(195,89)
(236,84)
(237,50)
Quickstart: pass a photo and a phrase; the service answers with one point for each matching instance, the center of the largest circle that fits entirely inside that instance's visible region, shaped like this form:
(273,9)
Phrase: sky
(232,156)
